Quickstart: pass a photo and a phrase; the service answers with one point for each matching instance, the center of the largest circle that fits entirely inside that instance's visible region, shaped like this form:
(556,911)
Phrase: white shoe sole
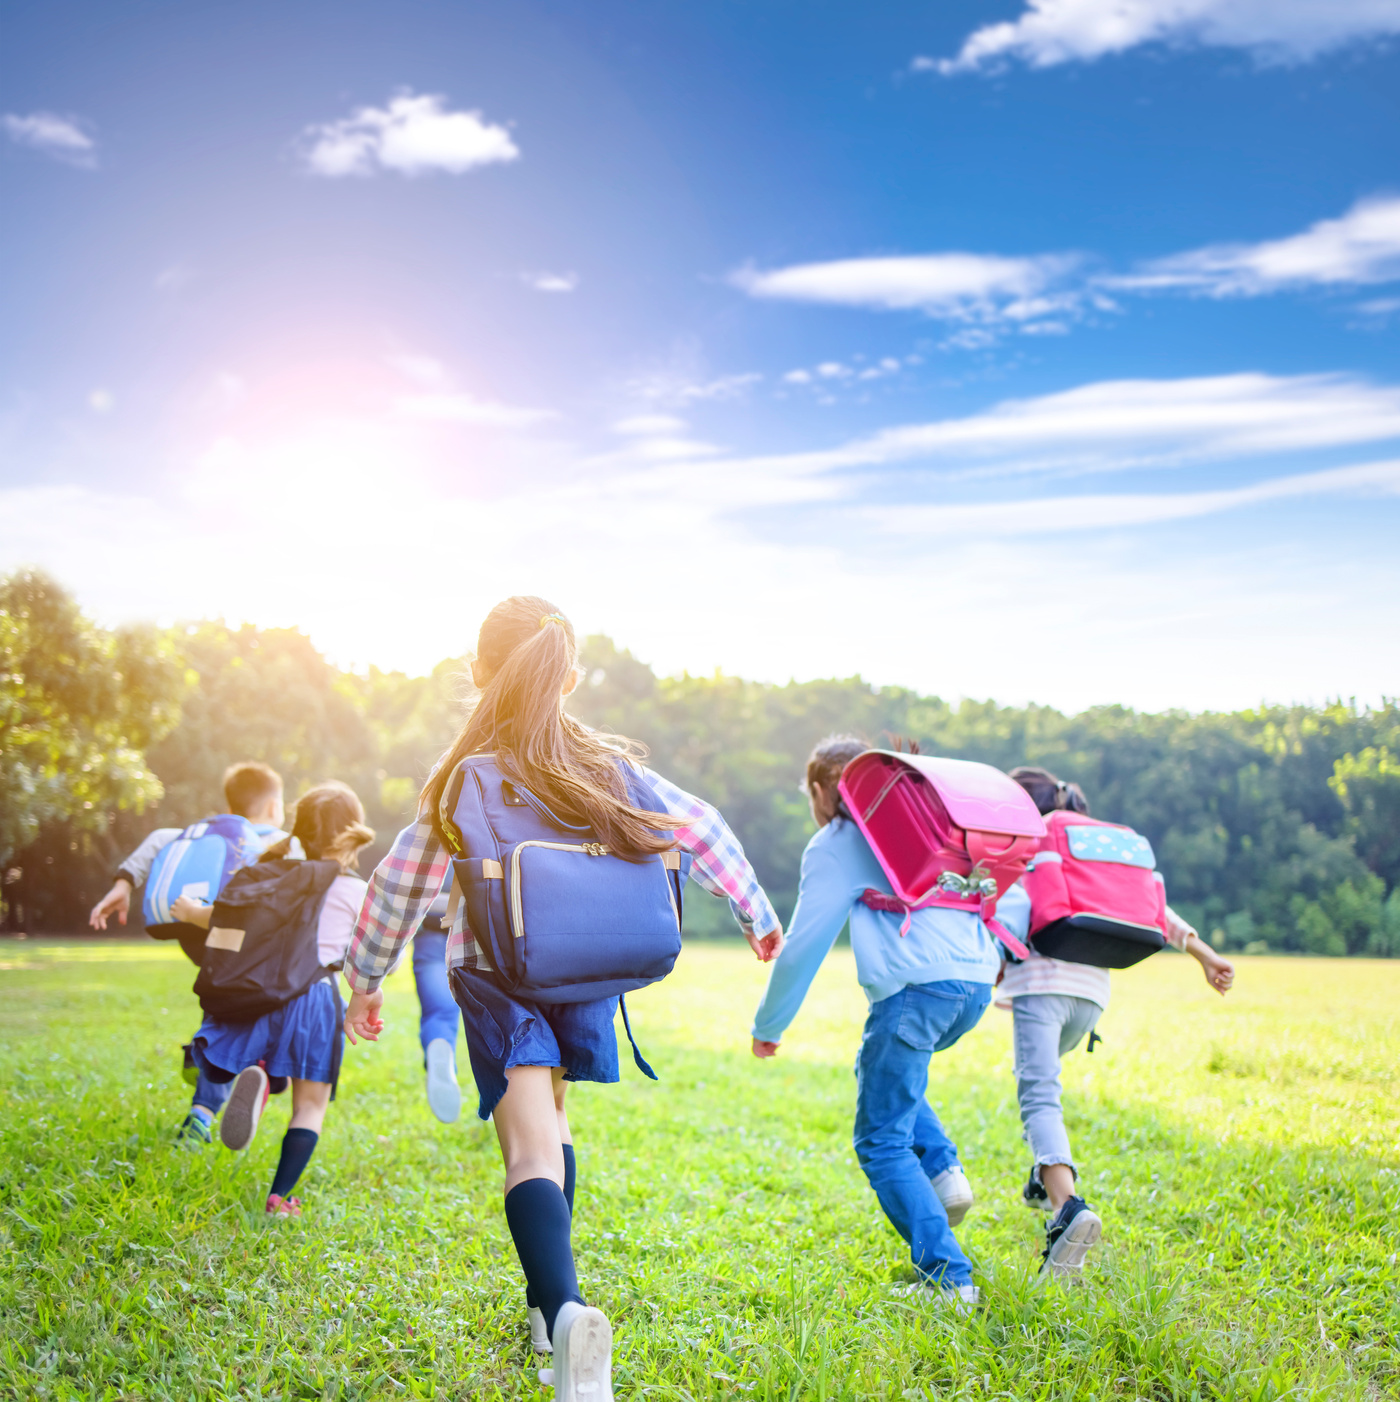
(1067,1255)
(444,1094)
(582,1369)
(958,1201)
(539,1335)
(239,1125)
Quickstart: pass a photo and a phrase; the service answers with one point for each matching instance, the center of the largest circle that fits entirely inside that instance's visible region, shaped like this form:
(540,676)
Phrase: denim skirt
(303,1039)
(504,1030)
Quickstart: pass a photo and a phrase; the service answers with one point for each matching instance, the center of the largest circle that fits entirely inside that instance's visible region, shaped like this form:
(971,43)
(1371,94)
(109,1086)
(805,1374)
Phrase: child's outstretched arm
(1219,971)
(824,901)
(402,888)
(720,865)
(189,911)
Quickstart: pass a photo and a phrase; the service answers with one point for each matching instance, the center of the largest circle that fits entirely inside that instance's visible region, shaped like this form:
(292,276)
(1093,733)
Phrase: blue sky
(1041,351)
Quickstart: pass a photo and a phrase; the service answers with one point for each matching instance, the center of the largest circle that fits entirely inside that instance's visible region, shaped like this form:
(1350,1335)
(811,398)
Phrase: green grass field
(1243,1154)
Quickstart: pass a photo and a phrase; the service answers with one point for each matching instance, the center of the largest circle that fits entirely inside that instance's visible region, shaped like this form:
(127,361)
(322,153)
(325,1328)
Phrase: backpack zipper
(589,849)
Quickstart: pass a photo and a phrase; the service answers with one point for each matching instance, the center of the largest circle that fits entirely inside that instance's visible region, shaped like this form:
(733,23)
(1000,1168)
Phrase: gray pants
(1044,1027)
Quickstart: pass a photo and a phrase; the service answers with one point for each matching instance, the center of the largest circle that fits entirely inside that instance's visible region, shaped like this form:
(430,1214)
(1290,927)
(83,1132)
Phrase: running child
(524,1051)
(926,989)
(1054,1005)
(252,791)
(301,1041)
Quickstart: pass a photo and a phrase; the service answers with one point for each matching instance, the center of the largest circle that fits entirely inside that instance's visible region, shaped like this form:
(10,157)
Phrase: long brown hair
(1050,793)
(330,825)
(526,656)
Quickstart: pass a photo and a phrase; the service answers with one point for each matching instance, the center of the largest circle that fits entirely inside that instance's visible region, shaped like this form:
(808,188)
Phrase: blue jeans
(209,1095)
(437,1009)
(898,1139)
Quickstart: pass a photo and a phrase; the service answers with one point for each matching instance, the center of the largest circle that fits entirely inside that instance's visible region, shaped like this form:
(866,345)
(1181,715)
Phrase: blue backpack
(197,863)
(559,918)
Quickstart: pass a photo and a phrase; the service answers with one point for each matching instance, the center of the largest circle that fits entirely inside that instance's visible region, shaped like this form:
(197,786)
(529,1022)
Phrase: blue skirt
(303,1039)
(505,1030)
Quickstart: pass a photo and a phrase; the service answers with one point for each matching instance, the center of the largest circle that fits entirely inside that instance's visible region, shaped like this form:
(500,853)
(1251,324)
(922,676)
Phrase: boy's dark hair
(828,758)
(1050,793)
(249,784)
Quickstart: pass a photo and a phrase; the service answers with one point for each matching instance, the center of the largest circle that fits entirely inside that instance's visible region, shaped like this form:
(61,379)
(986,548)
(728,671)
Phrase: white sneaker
(539,1335)
(582,1369)
(244,1108)
(444,1094)
(954,1192)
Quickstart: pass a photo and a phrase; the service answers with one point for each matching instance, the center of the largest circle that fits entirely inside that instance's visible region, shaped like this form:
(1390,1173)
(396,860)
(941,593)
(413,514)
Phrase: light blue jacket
(837,867)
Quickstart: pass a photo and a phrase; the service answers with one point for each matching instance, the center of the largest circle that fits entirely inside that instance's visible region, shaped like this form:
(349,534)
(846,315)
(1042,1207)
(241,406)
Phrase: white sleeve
(138,864)
(339,913)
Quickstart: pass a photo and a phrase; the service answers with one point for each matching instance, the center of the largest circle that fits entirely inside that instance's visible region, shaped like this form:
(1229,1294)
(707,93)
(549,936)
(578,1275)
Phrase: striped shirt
(418,866)
(1040,974)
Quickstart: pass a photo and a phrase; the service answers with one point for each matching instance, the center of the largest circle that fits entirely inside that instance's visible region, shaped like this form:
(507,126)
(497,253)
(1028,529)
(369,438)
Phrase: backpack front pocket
(580,916)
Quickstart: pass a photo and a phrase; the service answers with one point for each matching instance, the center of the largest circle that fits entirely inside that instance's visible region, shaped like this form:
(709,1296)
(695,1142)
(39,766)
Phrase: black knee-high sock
(297,1147)
(570,1175)
(538,1216)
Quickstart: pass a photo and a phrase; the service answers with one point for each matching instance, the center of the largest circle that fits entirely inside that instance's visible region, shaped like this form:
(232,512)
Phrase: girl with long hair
(301,1041)
(524,1052)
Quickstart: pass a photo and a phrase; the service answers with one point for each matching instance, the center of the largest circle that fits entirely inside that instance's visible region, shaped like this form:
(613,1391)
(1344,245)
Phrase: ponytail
(330,825)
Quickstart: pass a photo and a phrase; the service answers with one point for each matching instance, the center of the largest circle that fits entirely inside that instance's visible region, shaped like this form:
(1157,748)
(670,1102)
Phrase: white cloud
(1068,514)
(1050,32)
(1361,247)
(551,282)
(413,134)
(60,137)
(467,409)
(1105,426)
(102,401)
(678,388)
(963,287)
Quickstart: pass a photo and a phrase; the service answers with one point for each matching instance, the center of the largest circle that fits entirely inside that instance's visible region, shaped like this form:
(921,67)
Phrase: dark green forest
(1277,829)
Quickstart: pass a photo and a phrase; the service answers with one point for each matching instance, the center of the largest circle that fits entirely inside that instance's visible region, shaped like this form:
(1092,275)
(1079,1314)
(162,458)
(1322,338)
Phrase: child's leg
(937,1153)
(892,1078)
(438,1016)
(530,1124)
(309,1102)
(1044,1024)
(209,1096)
(561,1087)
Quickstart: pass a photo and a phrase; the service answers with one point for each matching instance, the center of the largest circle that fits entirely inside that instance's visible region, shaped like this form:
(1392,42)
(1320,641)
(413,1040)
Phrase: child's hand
(362,1016)
(116,902)
(763,1050)
(189,911)
(768,946)
(1219,972)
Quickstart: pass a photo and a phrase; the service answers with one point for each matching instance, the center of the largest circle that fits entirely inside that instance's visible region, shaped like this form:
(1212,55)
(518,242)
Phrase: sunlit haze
(1032,360)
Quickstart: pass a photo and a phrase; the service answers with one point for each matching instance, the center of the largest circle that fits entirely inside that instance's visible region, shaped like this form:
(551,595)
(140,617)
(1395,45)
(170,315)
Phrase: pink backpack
(1096,896)
(947,832)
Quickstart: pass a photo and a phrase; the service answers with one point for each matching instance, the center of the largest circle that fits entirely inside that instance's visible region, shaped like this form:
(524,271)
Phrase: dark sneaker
(195,1132)
(1073,1230)
(189,1070)
(244,1108)
(1034,1194)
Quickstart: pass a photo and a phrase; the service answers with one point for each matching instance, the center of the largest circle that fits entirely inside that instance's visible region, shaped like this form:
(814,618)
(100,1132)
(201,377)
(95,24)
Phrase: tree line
(1276,829)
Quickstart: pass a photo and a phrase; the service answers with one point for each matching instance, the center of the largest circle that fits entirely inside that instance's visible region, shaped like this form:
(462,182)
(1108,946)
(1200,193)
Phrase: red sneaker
(244,1108)
(283,1207)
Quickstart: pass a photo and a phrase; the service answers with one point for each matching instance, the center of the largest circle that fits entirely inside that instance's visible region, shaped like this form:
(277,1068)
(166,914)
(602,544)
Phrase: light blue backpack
(198,863)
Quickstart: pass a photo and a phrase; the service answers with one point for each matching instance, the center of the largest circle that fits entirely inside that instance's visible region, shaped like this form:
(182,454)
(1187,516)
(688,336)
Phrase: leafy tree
(78,707)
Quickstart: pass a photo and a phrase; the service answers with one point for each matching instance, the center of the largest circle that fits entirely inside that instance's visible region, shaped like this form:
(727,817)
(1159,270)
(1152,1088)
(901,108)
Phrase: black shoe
(1072,1231)
(1034,1194)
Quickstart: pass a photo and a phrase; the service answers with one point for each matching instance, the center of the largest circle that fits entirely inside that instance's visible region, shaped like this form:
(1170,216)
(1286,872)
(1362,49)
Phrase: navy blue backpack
(559,918)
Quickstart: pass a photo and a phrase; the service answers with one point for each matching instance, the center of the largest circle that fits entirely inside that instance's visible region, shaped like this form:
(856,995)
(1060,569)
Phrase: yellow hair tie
(554,618)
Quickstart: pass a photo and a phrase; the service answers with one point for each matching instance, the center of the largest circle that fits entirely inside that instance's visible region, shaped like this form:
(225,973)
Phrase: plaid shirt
(418,866)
